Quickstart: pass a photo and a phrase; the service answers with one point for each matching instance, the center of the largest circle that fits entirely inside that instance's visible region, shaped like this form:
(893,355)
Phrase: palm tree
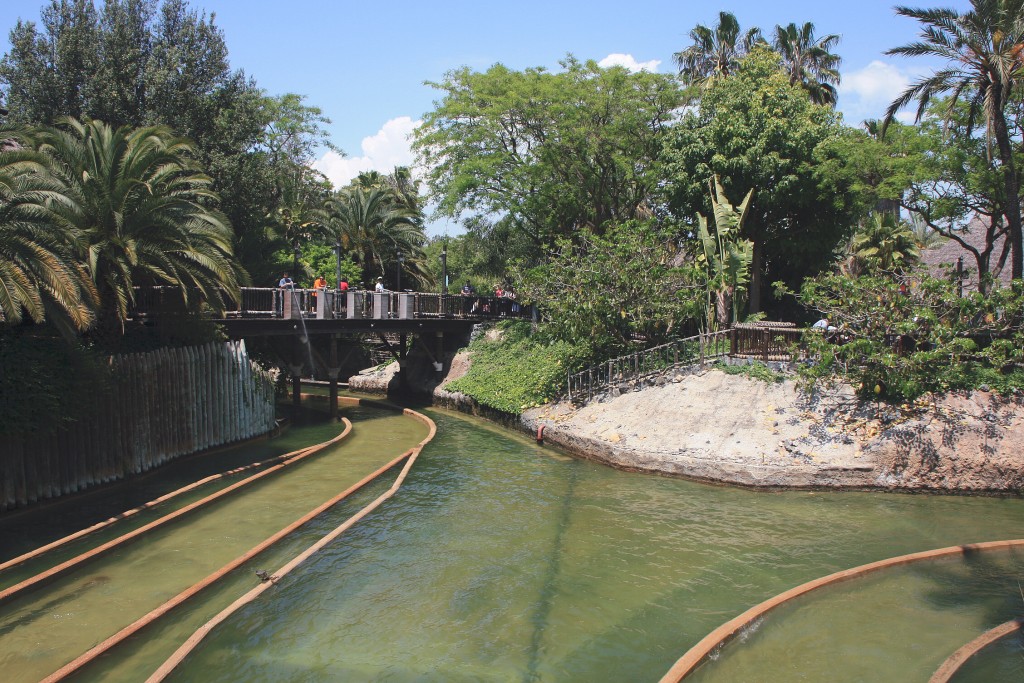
(983,49)
(371,224)
(883,246)
(809,61)
(716,52)
(142,211)
(296,222)
(39,276)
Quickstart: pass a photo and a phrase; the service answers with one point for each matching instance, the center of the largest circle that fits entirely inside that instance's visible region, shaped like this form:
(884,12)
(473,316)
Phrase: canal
(502,560)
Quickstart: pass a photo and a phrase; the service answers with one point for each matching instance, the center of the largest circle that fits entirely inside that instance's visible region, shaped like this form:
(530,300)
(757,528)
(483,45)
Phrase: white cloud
(867,93)
(628,61)
(388,148)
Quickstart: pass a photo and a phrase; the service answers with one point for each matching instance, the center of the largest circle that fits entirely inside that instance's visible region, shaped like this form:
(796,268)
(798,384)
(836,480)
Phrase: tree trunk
(1012,189)
(756,277)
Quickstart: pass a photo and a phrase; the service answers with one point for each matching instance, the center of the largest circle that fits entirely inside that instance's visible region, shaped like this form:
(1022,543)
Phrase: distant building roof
(939,259)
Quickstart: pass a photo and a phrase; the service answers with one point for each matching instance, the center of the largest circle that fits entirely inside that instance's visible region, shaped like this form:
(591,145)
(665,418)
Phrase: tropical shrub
(517,370)
(897,339)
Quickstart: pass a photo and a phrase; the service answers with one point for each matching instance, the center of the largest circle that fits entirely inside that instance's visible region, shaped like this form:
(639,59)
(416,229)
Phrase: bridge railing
(275,302)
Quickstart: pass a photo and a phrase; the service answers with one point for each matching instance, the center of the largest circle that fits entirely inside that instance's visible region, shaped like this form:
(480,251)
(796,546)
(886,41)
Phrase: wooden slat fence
(162,405)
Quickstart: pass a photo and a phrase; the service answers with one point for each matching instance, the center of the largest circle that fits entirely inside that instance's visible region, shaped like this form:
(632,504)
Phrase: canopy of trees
(757,130)
(549,153)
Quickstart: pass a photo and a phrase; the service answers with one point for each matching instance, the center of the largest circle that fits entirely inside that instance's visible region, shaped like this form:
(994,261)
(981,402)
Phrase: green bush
(45,382)
(518,370)
(897,340)
(756,370)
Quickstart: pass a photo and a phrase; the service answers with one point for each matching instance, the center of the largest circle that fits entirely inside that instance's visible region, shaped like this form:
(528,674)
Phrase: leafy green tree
(809,60)
(982,49)
(755,130)
(549,154)
(899,343)
(149,62)
(603,291)
(715,52)
(141,208)
(320,259)
(46,73)
(39,275)
(940,172)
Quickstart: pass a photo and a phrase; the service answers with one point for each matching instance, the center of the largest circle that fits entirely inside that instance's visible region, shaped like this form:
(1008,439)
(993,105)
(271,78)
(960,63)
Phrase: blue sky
(365,63)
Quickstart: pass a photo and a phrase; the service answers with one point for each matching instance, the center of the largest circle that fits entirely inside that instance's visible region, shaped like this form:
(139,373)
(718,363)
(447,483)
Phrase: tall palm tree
(983,49)
(39,276)
(715,52)
(809,61)
(369,223)
(142,211)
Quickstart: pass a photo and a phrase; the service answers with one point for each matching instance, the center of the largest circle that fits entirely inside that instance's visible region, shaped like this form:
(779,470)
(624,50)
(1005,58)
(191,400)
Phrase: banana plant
(725,256)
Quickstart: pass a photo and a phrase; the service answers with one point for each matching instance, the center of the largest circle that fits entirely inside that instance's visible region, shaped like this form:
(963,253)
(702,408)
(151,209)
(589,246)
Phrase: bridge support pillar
(296,371)
(439,358)
(332,375)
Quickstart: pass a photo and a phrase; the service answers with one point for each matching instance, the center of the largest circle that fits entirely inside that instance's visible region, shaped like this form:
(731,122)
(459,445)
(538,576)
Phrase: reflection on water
(498,561)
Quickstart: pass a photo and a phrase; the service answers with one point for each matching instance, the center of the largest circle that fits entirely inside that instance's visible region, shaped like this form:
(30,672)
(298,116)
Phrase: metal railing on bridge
(274,302)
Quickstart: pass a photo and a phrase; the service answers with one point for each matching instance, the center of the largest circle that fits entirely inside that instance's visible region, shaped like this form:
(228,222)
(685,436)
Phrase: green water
(44,629)
(1001,661)
(899,624)
(502,561)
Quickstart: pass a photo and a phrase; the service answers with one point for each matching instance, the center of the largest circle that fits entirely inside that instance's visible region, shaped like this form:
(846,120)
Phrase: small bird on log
(264,575)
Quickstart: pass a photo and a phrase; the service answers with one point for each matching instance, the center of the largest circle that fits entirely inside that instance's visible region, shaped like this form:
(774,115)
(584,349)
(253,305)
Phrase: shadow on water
(549,591)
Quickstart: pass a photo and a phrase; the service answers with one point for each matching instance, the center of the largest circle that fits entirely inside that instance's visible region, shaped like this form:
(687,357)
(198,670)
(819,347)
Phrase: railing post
(700,342)
(766,342)
(732,341)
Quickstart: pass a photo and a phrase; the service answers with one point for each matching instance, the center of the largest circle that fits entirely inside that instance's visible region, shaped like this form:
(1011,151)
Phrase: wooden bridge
(297,317)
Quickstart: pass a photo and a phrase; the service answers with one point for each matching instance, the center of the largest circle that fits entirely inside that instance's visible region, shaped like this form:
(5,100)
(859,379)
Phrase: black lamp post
(295,258)
(337,264)
(401,261)
(444,268)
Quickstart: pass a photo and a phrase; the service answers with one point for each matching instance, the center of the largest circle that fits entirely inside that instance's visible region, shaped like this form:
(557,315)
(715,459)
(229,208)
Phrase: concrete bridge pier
(296,371)
(333,370)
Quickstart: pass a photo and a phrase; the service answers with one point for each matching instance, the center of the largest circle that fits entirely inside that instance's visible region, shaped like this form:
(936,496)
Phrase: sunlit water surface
(499,560)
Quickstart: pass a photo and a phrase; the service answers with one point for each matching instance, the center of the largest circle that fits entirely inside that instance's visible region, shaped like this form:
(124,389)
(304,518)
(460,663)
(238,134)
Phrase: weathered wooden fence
(161,405)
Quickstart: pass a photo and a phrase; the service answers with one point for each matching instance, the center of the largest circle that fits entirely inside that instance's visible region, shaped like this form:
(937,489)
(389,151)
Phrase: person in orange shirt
(318,285)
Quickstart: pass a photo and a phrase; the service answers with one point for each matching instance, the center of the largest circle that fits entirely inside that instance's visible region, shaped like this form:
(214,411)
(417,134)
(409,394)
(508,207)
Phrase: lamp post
(337,263)
(401,261)
(444,268)
(295,257)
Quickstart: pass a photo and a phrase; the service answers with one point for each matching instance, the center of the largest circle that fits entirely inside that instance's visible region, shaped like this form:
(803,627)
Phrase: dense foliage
(516,370)
(757,131)
(551,154)
(607,291)
(898,339)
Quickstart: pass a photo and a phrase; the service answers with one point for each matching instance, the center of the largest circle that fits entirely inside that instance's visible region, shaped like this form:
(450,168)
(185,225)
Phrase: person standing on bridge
(319,285)
(285,282)
(379,287)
